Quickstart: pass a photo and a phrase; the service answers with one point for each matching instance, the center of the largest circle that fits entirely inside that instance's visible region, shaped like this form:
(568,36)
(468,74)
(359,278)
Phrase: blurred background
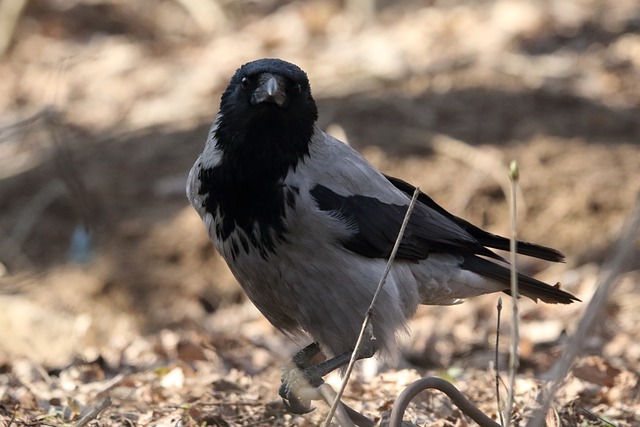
(106,271)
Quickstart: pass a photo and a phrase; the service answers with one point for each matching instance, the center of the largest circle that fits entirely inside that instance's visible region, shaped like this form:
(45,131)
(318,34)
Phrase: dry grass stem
(497,365)
(515,335)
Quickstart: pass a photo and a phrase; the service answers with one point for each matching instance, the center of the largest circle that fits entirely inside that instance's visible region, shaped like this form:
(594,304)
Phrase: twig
(13,415)
(514,174)
(367,318)
(499,307)
(330,397)
(94,412)
(400,406)
(606,283)
(596,417)
(107,386)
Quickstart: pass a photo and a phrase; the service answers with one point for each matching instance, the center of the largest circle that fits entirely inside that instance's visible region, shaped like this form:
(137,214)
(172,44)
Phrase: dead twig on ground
(93,412)
(447,388)
(341,414)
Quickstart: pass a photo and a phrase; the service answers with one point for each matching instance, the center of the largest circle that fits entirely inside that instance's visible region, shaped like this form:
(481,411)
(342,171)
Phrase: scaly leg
(300,379)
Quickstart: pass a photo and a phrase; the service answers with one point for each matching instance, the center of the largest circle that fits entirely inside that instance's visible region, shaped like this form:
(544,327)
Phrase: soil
(109,285)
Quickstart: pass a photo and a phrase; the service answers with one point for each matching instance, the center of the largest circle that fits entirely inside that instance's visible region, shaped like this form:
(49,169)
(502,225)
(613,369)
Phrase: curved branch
(400,406)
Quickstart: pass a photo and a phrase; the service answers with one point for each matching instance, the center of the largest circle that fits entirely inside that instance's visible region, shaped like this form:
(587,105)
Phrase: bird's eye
(244,83)
(296,89)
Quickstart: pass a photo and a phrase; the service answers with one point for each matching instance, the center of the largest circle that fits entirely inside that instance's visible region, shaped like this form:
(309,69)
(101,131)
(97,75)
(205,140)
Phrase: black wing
(431,229)
(483,237)
(376,225)
(527,286)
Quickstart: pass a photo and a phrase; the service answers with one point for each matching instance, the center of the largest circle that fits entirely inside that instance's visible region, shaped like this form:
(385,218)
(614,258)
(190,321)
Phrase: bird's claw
(298,389)
(296,406)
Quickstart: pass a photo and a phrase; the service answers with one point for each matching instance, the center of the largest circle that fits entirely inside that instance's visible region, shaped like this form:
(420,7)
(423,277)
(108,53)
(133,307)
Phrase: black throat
(262,148)
(246,191)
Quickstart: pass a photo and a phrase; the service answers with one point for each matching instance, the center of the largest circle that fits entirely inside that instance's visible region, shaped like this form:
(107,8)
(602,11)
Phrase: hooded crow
(306,225)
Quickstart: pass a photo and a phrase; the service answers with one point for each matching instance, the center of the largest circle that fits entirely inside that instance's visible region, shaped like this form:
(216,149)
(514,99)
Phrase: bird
(305,224)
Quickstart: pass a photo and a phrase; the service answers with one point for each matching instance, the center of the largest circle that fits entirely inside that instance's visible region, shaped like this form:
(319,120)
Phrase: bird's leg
(302,359)
(295,383)
(300,379)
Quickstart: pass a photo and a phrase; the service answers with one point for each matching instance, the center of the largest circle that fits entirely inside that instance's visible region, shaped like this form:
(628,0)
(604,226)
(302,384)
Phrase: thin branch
(13,415)
(94,412)
(514,174)
(417,387)
(367,318)
(499,307)
(331,397)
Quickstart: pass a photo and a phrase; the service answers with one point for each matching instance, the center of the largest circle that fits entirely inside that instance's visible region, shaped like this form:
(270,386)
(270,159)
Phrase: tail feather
(484,238)
(527,286)
(525,248)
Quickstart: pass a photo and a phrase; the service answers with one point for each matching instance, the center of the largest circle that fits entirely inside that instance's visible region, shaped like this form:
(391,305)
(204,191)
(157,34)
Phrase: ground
(107,104)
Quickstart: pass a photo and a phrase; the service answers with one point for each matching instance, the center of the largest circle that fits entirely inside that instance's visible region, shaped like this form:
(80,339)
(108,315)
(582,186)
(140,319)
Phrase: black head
(267,119)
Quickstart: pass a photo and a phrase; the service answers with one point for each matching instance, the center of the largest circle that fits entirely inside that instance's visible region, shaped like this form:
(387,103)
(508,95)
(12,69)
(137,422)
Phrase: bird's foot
(301,379)
(299,387)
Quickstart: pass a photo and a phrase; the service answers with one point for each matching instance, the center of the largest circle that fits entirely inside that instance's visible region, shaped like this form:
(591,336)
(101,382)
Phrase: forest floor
(106,105)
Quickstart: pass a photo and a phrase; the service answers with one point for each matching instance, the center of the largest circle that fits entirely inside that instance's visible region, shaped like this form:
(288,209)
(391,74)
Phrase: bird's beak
(271,88)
